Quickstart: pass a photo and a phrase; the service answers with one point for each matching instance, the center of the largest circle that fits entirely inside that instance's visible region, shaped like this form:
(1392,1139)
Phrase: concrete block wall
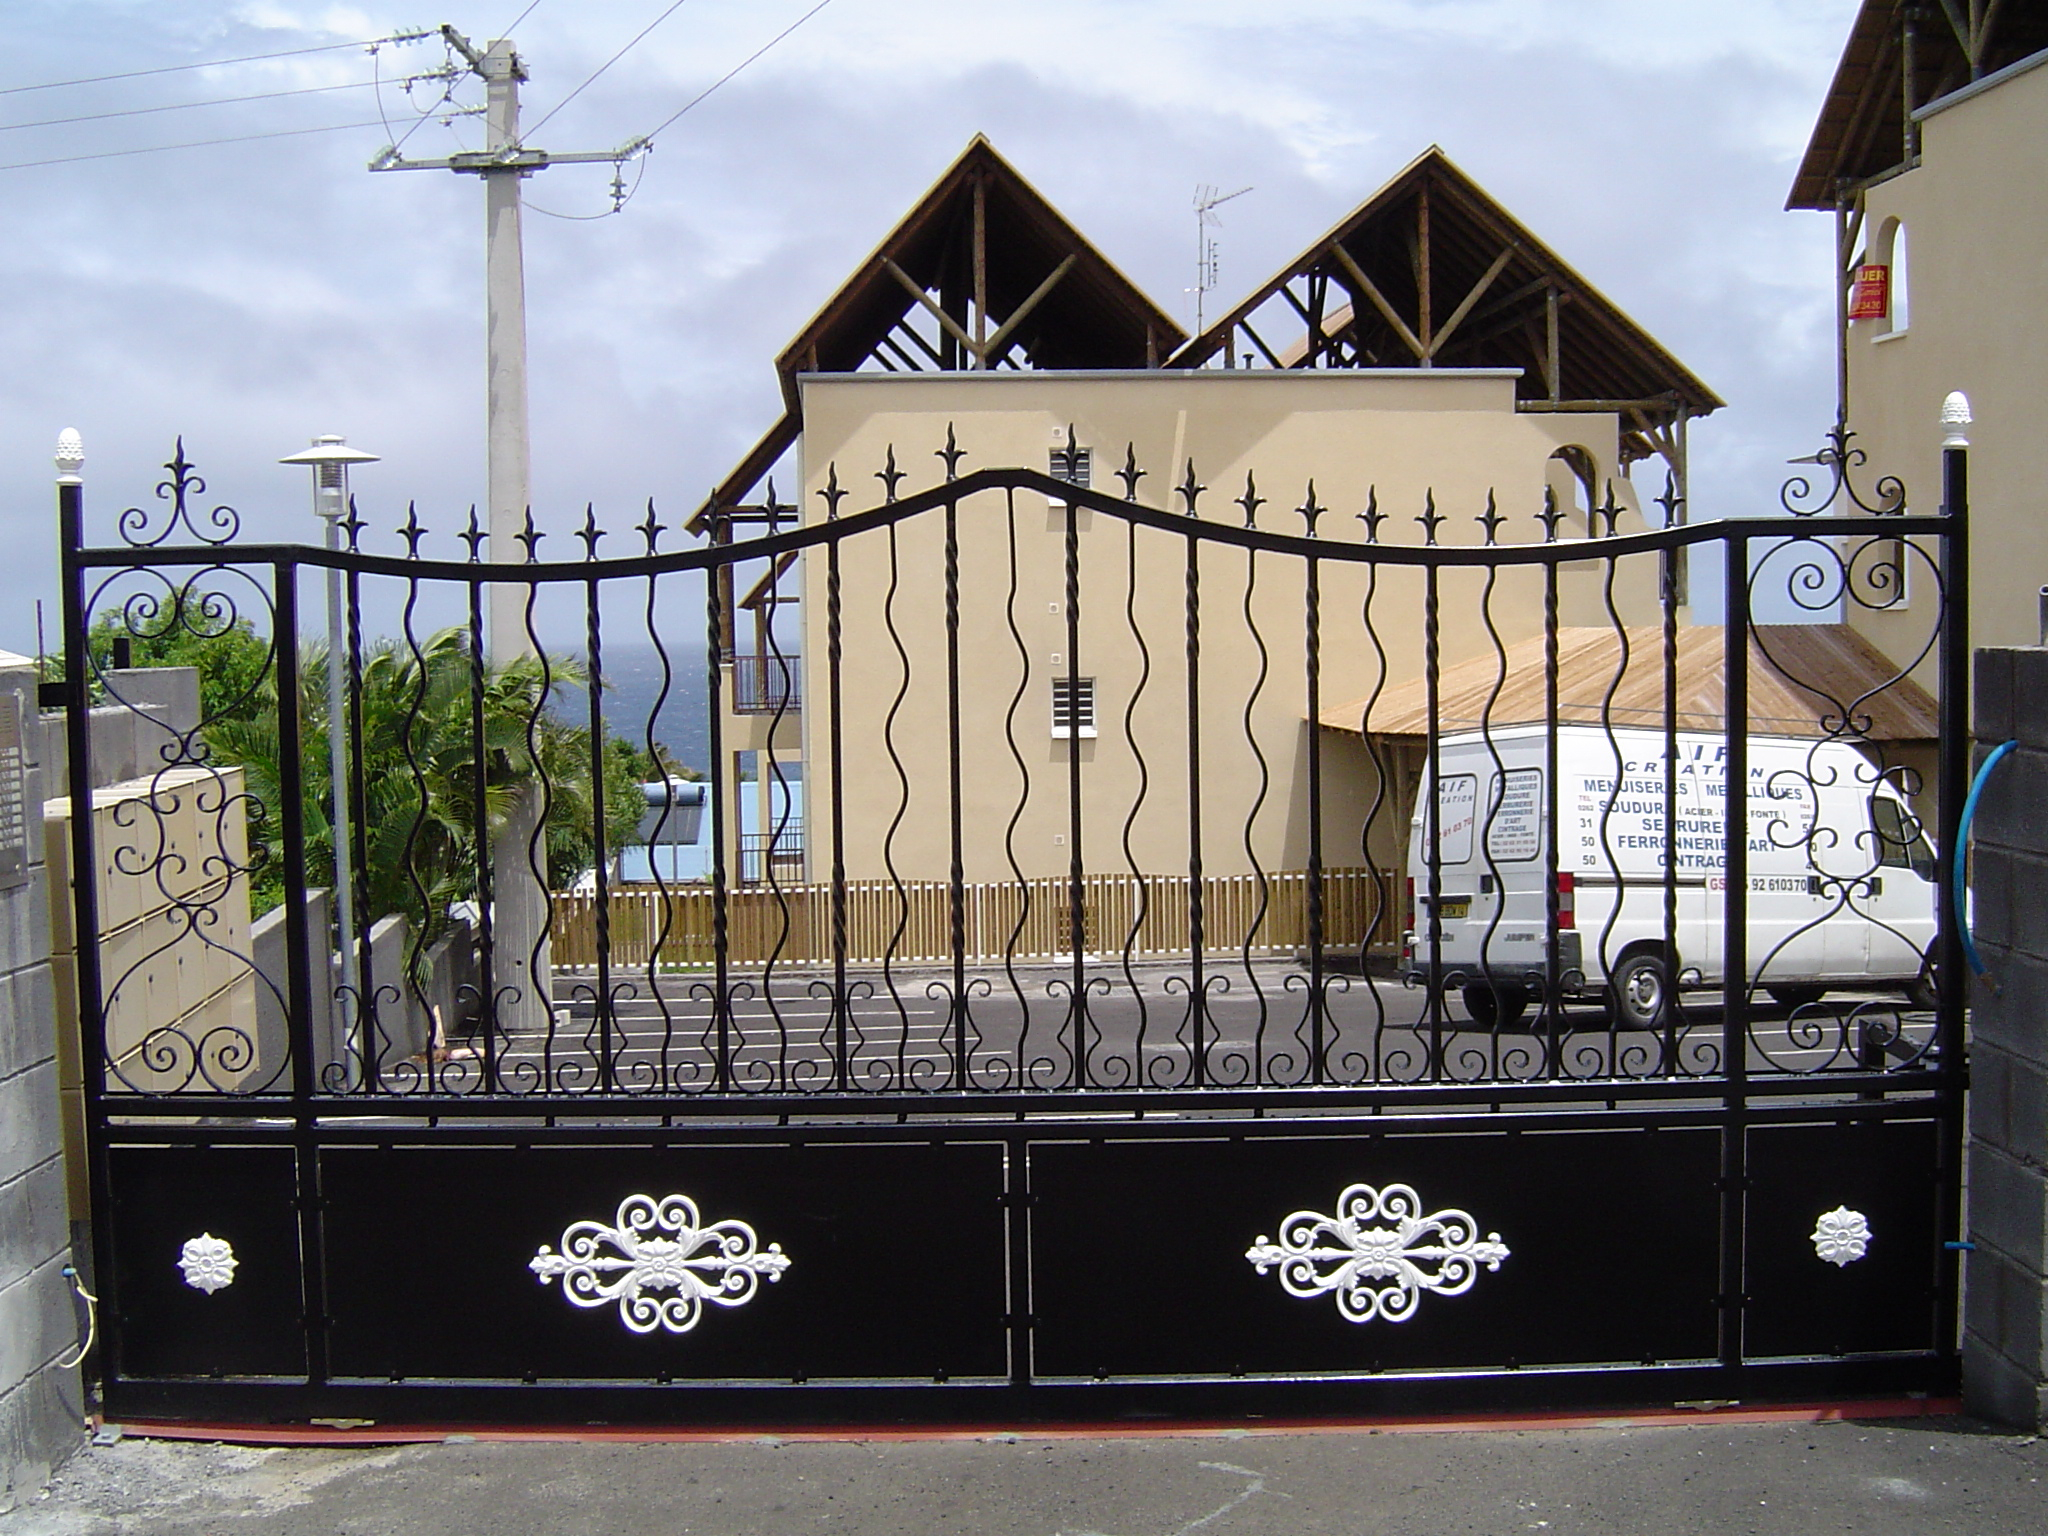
(269,946)
(2005,1311)
(42,1411)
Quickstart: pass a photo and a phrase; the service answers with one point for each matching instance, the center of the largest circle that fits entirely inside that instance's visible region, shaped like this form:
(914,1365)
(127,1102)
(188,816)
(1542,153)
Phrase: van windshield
(1900,844)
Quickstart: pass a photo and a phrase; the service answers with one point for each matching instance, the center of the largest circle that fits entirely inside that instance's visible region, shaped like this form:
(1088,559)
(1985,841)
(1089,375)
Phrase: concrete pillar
(2005,1310)
(41,1410)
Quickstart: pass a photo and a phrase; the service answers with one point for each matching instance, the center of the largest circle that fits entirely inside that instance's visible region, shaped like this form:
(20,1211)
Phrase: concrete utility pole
(520,950)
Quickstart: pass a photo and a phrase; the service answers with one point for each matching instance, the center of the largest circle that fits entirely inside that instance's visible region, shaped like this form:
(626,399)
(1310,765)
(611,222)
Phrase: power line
(530,9)
(152,149)
(218,101)
(247,58)
(607,64)
(743,63)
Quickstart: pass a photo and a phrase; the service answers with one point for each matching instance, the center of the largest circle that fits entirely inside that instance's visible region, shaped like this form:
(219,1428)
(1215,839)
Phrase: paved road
(1874,1478)
(1256,1025)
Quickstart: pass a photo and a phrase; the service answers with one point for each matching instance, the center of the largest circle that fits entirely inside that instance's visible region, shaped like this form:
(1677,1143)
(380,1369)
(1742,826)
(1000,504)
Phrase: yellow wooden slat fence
(1031,920)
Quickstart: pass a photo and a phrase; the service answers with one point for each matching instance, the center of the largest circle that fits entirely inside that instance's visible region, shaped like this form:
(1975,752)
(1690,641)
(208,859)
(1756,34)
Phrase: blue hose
(1957,884)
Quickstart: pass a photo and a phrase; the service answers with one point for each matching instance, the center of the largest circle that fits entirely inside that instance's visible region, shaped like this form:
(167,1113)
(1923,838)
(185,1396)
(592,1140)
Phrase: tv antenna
(1207,265)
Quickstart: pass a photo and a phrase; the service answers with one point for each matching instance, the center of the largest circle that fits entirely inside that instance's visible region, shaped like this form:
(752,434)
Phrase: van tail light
(1411,902)
(1567,900)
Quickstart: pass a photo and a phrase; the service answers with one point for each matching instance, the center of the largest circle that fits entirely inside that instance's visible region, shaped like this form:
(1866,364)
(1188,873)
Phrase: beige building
(1427,352)
(1393,437)
(1931,151)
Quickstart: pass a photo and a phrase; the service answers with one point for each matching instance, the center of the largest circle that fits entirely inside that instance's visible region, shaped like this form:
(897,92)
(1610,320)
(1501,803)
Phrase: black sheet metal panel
(1888,1173)
(1140,1267)
(896,1262)
(164,1325)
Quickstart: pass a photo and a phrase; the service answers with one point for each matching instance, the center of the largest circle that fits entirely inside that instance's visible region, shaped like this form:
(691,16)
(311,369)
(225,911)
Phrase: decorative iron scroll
(1378,1253)
(659,1246)
(1842,1236)
(1127,962)
(208,1262)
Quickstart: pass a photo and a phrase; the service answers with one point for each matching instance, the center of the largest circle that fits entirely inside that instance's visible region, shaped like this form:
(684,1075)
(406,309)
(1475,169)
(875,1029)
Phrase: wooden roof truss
(1901,56)
(982,273)
(1431,272)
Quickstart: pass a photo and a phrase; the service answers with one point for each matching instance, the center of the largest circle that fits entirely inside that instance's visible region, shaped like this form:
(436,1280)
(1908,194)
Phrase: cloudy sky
(251,294)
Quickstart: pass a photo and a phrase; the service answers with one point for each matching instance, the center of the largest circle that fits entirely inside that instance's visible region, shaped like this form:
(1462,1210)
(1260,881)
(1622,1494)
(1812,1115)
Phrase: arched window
(1890,252)
(1902,290)
(1572,475)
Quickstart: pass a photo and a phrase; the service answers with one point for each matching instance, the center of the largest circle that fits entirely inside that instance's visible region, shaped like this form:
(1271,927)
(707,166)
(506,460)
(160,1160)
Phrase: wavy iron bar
(968,894)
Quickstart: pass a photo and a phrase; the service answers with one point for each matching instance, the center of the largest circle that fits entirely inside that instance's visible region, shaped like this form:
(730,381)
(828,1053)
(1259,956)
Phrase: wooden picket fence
(1032,920)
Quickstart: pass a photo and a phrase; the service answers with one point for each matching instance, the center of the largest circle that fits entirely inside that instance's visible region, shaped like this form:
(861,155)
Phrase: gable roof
(1864,121)
(1490,281)
(1052,300)
(1803,679)
(1092,317)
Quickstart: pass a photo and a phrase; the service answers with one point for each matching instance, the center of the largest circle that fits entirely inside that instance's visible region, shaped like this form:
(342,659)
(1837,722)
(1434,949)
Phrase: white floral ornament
(659,1246)
(1378,1253)
(1842,1236)
(208,1262)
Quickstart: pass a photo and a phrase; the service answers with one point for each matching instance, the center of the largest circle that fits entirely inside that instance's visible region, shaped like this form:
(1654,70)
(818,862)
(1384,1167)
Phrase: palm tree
(419,752)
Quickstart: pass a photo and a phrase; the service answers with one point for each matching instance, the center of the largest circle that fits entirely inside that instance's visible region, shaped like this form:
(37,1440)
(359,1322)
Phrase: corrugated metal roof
(1804,680)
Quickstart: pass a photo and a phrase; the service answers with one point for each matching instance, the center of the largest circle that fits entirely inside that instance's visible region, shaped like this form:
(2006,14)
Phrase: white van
(1841,877)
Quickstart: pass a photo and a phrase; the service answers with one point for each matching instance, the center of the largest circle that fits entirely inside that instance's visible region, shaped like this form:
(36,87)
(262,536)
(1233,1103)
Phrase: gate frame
(117,1120)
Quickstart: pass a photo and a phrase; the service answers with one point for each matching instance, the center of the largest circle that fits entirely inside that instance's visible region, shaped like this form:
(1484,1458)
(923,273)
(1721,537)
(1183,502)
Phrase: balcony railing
(780,852)
(766,685)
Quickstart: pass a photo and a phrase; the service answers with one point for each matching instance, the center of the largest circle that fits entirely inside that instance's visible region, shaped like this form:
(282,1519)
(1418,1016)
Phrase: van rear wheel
(1640,991)
(1494,1004)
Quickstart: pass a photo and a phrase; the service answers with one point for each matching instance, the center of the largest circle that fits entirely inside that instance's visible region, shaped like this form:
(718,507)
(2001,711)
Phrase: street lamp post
(330,458)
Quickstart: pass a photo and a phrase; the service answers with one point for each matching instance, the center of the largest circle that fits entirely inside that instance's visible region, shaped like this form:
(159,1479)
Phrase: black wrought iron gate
(852,1139)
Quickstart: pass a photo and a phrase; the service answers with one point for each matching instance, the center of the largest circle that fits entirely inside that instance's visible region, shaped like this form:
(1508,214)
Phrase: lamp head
(330,457)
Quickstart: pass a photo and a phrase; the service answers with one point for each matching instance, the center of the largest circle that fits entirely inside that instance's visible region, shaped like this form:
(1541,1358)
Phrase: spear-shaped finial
(1251,501)
(1431,519)
(589,533)
(952,453)
(412,532)
(1130,474)
(1311,510)
(1372,516)
(529,537)
(649,529)
(834,493)
(1490,520)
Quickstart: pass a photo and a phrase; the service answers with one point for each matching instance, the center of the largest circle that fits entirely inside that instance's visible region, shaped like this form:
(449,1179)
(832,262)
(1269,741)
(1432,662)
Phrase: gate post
(2005,1316)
